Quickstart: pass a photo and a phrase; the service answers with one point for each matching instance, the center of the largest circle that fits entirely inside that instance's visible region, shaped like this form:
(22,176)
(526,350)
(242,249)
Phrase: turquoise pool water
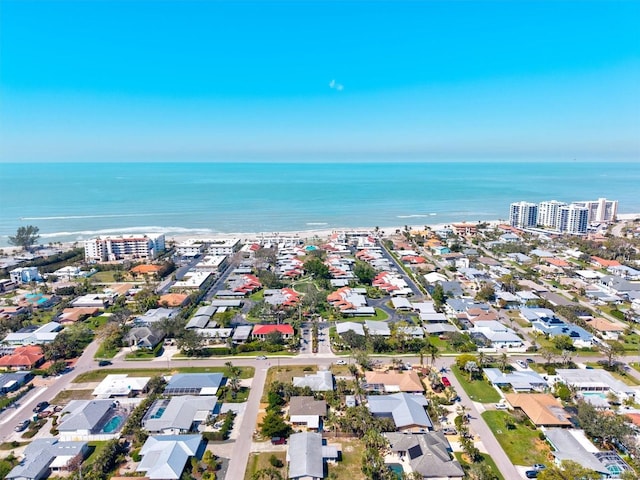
(158,413)
(595,394)
(35,298)
(113,424)
(397,469)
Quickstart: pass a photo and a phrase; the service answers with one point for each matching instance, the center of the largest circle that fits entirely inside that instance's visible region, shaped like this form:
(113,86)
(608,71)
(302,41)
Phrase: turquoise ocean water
(74,201)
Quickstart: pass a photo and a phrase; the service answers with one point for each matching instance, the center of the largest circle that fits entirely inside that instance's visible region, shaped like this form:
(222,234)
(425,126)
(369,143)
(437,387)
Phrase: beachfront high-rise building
(573,219)
(523,214)
(130,247)
(601,210)
(549,213)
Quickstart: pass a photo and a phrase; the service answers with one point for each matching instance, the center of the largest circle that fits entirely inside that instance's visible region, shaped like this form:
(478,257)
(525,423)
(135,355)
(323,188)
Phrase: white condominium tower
(523,214)
(130,247)
(601,210)
(573,219)
(549,213)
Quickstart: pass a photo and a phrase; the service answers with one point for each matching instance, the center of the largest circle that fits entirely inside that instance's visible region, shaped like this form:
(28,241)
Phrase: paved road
(417,293)
(12,416)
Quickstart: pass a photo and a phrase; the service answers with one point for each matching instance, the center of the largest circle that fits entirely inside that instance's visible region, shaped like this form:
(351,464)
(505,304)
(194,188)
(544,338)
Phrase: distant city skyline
(325,81)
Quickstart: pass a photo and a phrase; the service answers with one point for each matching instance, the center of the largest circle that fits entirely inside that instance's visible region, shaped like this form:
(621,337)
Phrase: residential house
(306,455)
(350,301)
(606,329)
(542,409)
(164,456)
(120,385)
(44,456)
(241,333)
(618,286)
(322,381)
(76,314)
(595,380)
(379,328)
(97,300)
(23,358)
(354,327)
(286,297)
(22,275)
(144,337)
(495,334)
(194,384)
(391,382)
(428,454)
(34,334)
(154,315)
(263,331)
(201,318)
(407,410)
(172,300)
(179,415)
(305,410)
(83,418)
(519,380)
(12,381)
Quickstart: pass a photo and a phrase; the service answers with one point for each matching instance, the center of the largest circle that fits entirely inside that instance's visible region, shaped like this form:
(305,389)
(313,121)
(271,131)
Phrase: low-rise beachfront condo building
(123,247)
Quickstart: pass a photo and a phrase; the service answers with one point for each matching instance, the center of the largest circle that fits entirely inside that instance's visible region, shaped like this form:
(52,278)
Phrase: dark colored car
(40,407)
(22,425)
(278,440)
(104,363)
(531,474)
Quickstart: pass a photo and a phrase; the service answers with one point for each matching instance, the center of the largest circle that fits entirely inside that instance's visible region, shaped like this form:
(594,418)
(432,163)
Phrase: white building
(25,275)
(523,214)
(114,248)
(601,210)
(573,219)
(549,213)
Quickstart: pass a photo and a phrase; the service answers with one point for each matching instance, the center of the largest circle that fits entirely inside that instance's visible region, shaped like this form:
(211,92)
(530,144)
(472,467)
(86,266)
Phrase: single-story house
(407,410)
(262,331)
(120,385)
(307,454)
(520,381)
(164,456)
(241,333)
(375,327)
(392,382)
(608,330)
(542,409)
(428,454)
(155,315)
(10,382)
(343,327)
(34,334)
(144,337)
(44,456)
(81,418)
(23,358)
(307,411)
(321,381)
(178,415)
(194,384)
(596,380)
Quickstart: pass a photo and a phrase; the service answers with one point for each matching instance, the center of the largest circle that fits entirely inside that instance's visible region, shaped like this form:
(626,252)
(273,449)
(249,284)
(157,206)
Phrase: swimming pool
(113,424)
(158,413)
(397,469)
(36,298)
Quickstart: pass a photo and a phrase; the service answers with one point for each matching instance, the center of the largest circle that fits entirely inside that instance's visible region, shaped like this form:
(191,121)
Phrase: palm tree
(504,361)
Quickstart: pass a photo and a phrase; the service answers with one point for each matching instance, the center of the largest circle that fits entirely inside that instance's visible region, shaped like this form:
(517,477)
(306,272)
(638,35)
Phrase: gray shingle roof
(406,409)
(428,453)
(318,382)
(305,455)
(305,405)
(83,414)
(40,453)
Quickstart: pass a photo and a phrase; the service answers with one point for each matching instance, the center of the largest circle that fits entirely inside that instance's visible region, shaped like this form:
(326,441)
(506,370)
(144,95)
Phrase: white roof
(120,385)
(164,456)
(344,327)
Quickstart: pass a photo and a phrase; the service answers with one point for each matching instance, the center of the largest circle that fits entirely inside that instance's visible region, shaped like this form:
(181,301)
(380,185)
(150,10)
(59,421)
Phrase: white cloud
(336,86)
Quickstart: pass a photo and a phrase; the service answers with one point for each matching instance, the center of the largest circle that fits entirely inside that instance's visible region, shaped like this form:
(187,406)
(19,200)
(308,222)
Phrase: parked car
(501,406)
(40,407)
(531,474)
(22,425)
(261,357)
(278,440)
(539,466)
(530,360)
(446,382)
(341,362)
(522,364)
(449,431)
(104,363)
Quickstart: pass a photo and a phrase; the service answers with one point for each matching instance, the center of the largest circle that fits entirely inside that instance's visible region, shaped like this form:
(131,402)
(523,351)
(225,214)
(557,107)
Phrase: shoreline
(305,234)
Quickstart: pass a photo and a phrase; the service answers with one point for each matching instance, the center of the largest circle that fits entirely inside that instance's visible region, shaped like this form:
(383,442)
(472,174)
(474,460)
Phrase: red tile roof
(25,357)
(267,329)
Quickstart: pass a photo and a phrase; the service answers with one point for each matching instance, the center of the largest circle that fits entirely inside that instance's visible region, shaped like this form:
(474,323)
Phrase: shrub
(275,461)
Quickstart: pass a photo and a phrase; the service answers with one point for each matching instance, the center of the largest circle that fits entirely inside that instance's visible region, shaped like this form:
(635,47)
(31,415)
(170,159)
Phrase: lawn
(521,444)
(66,395)
(104,277)
(486,459)
(285,375)
(257,296)
(260,461)
(478,390)
(350,467)
(98,375)
(443,345)
(96,322)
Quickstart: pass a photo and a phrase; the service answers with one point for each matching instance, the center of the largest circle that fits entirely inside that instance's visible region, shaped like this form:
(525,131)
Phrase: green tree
(569,470)
(612,351)
(190,342)
(25,237)
(438,297)
(365,272)
(316,267)
(486,293)
(563,342)
(273,425)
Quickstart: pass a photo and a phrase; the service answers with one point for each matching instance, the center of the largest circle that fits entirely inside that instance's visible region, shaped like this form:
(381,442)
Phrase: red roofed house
(146,269)
(604,263)
(261,331)
(465,229)
(250,283)
(413,259)
(557,262)
(23,358)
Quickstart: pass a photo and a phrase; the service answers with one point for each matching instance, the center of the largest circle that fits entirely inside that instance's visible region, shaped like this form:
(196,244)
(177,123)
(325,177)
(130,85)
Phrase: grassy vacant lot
(285,375)
(478,390)
(522,444)
(104,277)
(98,375)
(443,345)
(350,467)
(260,461)
(486,459)
(67,395)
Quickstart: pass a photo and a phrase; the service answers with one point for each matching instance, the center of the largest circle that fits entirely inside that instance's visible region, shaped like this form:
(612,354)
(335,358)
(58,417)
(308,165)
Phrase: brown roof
(542,408)
(173,299)
(75,314)
(604,325)
(121,288)
(27,356)
(307,405)
(406,381)
(145,268)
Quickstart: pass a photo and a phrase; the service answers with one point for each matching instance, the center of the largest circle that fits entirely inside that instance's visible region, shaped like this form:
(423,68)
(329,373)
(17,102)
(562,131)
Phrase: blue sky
(163,80)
